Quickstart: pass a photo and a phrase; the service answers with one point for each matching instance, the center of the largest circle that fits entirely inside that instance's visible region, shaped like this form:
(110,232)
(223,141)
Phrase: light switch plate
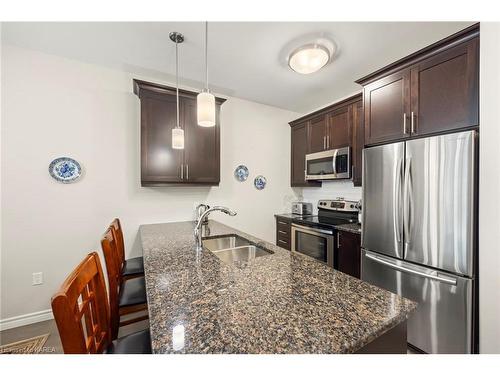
(37,278)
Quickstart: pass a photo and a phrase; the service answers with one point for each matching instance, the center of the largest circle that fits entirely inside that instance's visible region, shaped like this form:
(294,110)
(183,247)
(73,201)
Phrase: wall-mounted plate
(241,173)
(260,182)
(65,170)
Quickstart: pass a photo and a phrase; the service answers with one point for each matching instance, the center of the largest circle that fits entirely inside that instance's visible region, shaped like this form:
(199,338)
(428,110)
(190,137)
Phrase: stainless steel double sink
(233,248)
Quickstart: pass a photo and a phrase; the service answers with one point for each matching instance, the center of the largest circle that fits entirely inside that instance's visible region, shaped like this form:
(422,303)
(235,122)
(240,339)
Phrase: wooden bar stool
(81,313)
(125,296)
(132,267)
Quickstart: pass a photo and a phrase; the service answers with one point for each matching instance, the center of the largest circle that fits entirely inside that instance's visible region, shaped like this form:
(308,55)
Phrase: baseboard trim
(23,320)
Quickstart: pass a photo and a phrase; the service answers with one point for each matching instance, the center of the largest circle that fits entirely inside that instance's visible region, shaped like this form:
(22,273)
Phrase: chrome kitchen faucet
(199,223)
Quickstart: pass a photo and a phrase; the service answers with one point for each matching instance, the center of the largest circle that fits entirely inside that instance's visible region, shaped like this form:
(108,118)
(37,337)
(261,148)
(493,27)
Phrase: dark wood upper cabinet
(317,134)
(201,149)
(445,90)
(387,107)
(161,165)
(339,128)
(432,91)
(338,125)
(299,149)
(159,162)
(358,139)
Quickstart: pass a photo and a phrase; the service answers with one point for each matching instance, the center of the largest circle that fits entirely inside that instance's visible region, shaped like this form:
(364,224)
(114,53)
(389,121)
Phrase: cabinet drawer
(283,226)
(284,242)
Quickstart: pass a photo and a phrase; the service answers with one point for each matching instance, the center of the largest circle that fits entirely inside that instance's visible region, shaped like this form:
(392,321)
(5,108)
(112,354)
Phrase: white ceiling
(246,60)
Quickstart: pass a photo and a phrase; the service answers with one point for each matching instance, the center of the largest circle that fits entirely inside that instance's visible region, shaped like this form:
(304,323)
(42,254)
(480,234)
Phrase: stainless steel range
(314,235)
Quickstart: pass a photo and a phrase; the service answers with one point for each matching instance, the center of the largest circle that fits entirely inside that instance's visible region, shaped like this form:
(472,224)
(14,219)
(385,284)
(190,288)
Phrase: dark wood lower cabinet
(348,253)
(394,341)
(283,232)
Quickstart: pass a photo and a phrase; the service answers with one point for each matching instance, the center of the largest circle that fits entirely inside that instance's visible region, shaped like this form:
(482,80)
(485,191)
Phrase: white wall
(262,143)
(55,107)
(489,188)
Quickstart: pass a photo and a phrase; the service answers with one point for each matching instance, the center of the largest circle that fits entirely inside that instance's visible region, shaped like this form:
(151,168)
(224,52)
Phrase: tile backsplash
(331,190)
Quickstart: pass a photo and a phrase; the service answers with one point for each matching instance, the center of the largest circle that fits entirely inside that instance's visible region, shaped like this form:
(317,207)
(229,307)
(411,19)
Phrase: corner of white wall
(489,187)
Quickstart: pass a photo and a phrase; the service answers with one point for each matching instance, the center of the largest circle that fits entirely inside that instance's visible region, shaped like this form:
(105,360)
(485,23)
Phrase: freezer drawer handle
(444,279)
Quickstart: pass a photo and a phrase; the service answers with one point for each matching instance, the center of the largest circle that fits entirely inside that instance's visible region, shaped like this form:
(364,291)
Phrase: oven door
(314,242)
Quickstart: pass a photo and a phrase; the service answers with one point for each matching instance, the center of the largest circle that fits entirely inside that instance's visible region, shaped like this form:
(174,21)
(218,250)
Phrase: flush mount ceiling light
(309,58)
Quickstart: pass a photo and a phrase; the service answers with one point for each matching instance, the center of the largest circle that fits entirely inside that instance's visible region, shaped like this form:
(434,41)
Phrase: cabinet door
(299,150)
(358,141)
(339,128)
(201,148)
(445,90)
(160,163)
(387,108)
(349,253)
(317,134)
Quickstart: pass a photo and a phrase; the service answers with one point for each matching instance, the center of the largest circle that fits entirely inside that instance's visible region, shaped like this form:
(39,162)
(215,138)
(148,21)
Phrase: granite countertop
(351,227)
(278,303)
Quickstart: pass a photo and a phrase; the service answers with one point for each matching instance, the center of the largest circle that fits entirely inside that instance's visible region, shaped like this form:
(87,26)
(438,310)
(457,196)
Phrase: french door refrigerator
(418,234)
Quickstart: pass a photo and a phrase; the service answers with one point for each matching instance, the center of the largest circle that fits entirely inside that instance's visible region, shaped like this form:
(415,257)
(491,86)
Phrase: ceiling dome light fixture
(309,58)
(205,99)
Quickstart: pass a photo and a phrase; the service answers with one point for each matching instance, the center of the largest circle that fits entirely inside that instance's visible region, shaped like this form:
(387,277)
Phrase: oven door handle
(314,231)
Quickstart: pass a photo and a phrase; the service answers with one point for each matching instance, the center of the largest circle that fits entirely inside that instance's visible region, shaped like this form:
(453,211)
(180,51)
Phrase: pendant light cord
(177,79)
(206,54)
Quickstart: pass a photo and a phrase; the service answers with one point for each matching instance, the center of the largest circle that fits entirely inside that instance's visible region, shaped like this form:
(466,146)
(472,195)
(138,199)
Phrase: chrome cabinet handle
(443,279)
(182,171)
(338,240)
(412,122)
(324,143)
(282,232)
(282,241)
(327,141)
(282,222)
(404,123)
(187,171)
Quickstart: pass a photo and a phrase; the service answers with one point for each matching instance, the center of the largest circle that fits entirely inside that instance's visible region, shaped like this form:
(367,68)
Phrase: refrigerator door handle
(396,201)
(443,279)
(406,202)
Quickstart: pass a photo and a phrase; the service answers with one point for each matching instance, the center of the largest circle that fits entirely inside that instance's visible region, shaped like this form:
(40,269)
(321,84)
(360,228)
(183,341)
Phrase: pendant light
(177,132)
(205,100)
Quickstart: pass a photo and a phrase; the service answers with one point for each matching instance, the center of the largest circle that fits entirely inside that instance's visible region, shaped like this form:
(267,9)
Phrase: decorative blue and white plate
(241,173)
(260,182)
(65,170)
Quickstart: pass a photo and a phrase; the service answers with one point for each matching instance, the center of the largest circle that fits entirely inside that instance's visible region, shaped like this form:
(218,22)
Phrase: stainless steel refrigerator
(418,235)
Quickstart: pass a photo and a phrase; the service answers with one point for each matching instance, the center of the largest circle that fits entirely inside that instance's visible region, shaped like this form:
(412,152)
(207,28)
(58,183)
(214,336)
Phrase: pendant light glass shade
(177,132)
(177,138)
(206,109)
(205,100)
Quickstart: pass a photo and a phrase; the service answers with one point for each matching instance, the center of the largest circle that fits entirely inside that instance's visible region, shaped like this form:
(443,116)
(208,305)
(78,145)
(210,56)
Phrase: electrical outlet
(37,278)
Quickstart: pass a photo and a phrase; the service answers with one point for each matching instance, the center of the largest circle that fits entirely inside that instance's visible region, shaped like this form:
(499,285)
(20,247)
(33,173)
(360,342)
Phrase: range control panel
(338,204)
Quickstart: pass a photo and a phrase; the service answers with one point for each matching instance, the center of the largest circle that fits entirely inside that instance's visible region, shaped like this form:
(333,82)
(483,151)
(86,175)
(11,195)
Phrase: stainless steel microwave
(329,165)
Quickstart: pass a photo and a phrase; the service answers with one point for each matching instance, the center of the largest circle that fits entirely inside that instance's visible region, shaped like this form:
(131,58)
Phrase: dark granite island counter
(278,303)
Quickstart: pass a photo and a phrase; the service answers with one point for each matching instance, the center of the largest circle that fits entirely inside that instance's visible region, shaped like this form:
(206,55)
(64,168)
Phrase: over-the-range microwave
(329,165)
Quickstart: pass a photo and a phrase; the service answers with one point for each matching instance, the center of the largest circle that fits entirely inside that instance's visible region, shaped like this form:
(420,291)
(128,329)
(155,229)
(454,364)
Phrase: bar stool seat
(135,343)
(133,267)
(132,292)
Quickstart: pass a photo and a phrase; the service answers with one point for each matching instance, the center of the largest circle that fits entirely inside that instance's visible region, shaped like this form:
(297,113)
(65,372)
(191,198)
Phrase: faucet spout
(198,226)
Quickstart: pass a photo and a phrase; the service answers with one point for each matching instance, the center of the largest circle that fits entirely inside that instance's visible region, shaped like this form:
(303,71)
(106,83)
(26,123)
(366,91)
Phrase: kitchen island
(278,303)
